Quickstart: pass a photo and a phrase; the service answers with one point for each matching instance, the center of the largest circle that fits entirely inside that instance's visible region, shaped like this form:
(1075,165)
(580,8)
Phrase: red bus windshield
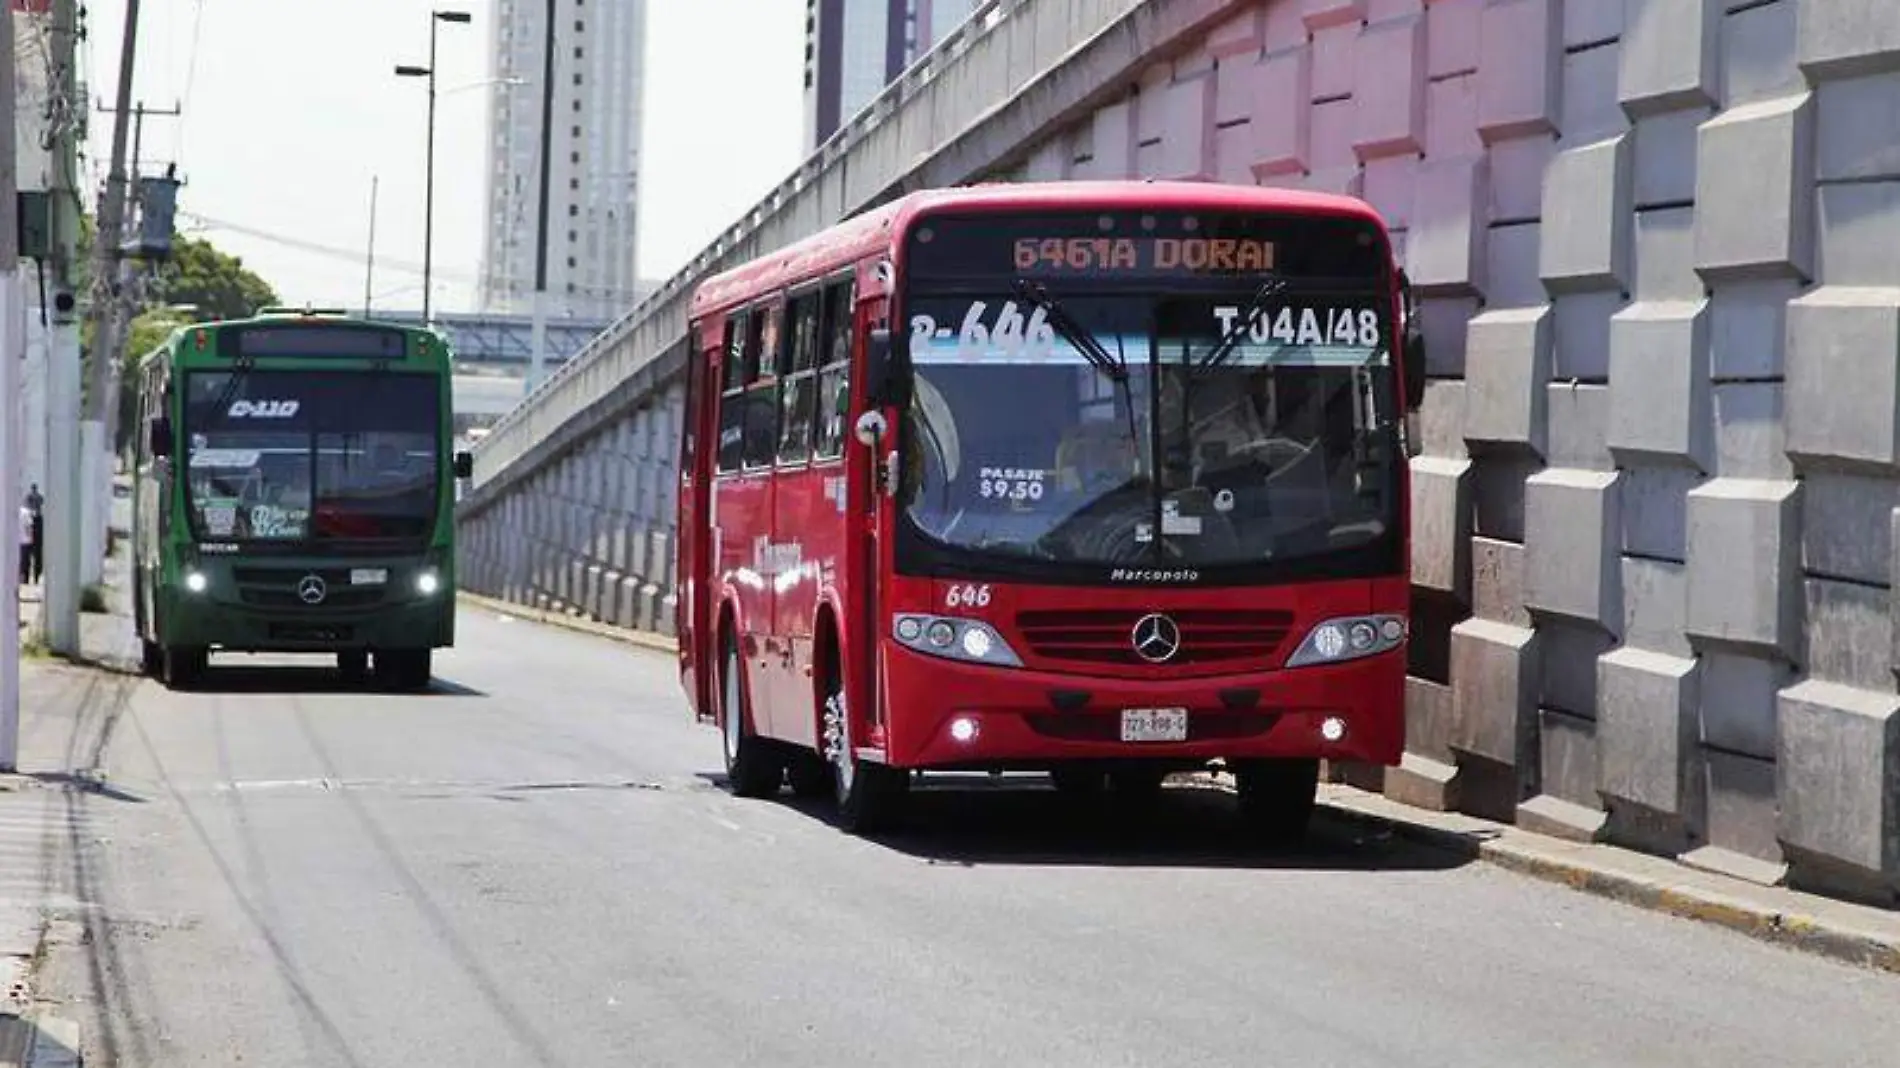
(1145,404)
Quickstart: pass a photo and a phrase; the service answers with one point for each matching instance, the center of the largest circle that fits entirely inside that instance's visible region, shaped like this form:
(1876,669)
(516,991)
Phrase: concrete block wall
(1658,243)
(590,532)
(1657,490)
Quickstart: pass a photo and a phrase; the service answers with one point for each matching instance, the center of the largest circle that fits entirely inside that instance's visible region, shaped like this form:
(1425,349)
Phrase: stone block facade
(1657,501)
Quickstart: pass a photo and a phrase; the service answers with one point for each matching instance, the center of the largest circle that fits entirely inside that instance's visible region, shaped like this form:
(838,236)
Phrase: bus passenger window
(833,402)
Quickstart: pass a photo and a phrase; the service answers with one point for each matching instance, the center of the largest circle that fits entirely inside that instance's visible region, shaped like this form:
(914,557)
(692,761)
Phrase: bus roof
(178,341)
(873,231)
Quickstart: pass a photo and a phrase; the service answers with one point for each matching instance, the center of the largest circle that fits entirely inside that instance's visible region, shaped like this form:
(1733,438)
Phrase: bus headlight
(1348,638)
(427,582)
(196,582)
(954,639)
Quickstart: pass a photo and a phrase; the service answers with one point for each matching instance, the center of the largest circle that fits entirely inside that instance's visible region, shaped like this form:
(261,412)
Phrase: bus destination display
(316,342)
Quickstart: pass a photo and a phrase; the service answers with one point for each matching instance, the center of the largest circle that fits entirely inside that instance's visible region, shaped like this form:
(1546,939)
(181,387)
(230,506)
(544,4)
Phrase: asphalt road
(535,865)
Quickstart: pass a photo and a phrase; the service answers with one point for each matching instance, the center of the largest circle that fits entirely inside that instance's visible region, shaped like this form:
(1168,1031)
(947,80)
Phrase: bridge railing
(604,360)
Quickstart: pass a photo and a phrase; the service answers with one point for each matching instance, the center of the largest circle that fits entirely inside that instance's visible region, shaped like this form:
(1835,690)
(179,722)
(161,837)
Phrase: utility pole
(369,263)
(59,611)
(95,475)
(539,331)
(12,350)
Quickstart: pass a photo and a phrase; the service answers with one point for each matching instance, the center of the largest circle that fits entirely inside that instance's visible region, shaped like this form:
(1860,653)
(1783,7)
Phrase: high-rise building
(854,48)
(593,207)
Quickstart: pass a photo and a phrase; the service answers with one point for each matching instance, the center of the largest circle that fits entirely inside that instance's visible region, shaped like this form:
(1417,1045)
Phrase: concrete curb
(1809,923)
(37,1040)
(642,639)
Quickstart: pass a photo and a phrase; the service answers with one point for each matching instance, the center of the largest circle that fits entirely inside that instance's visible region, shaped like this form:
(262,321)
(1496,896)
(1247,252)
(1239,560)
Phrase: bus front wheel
(184,668)
(869,794)
(407,670)
(151,658)
(1277,798)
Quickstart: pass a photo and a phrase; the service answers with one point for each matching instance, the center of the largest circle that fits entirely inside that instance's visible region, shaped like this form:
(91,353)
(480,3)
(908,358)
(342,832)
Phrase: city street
(536,865)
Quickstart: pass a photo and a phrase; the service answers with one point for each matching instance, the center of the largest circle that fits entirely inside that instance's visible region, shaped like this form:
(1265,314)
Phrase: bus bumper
(194,621)
(1017,717)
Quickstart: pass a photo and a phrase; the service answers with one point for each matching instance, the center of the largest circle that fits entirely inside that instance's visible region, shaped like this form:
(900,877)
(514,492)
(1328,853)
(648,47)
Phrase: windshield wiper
(221,408)
(1072,332)
(1242,325)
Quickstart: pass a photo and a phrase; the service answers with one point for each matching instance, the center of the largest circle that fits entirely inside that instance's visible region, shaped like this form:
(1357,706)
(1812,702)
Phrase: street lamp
(428,208)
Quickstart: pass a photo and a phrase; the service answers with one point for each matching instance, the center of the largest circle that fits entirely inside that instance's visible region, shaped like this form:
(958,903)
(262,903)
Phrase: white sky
(291,107)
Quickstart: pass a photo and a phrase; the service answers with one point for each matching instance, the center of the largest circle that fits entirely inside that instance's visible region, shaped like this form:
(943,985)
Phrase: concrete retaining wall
(1657,497)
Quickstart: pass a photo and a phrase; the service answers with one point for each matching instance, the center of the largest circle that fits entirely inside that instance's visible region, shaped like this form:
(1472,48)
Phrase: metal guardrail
(592,371)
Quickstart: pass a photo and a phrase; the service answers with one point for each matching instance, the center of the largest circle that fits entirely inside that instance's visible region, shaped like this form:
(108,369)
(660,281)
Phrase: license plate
(368,576)
(1154,724)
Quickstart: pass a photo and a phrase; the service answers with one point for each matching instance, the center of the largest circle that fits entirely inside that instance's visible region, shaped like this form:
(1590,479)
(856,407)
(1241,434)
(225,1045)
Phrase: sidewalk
(64,707)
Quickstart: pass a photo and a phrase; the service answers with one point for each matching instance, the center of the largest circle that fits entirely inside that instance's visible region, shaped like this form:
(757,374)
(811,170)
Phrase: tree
(198,284)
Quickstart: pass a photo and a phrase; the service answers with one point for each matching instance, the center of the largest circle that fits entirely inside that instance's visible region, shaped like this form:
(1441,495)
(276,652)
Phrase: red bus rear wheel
(751,767)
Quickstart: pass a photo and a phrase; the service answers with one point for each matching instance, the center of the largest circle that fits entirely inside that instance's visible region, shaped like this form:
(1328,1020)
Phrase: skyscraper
(854,48)
(593,209)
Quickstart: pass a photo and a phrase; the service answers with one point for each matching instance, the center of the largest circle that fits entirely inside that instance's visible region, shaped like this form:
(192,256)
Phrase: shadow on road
(270,678)
(965,822)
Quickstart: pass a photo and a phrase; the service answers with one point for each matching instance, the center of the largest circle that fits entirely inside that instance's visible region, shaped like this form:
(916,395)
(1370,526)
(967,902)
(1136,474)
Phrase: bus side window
(794,443)
(761,406)
(732,404)
(834,381)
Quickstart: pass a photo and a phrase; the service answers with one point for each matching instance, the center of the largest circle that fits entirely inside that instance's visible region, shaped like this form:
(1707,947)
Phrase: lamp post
(428,207)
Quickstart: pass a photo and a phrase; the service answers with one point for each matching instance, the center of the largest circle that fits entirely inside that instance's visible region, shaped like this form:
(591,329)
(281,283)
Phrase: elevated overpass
(1659,464)
(504,340)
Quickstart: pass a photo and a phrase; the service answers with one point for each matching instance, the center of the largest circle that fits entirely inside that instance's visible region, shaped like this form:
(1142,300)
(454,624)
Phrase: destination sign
(1159,246)
(1109,255)
(315,342)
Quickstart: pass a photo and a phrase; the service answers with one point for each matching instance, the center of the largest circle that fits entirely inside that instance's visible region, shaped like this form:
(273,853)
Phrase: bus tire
(869,795)
(752,768)
(185,667)
(353,663)
(404,670)
(1277,798)
(151,659)
(809,775)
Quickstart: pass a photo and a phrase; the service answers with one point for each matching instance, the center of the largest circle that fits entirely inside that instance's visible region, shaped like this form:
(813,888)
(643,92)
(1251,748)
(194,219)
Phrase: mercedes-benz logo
(311,590)
(1157,638)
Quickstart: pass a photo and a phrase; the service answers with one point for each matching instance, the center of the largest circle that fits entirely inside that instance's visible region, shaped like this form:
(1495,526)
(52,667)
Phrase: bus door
(800,531)
(742,515)
(695,567)
(870,550)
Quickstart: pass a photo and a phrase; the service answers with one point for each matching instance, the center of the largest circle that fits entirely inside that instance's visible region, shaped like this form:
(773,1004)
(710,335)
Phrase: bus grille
(276,587)
(1107,636)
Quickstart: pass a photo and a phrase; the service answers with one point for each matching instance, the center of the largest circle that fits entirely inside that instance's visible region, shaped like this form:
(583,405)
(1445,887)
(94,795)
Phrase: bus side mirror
(160,443)
(1413,345)
(1414,366)
(464,465)
(882,375)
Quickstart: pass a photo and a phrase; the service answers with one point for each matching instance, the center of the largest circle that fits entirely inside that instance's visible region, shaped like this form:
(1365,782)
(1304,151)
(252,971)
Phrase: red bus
(1102,480)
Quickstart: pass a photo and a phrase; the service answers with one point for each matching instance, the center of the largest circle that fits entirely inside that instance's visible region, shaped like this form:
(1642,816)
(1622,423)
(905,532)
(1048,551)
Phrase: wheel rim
(838,743)
(734,715)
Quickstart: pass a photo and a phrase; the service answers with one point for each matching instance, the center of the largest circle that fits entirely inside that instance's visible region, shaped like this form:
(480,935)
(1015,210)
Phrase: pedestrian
(35,550)
(25,538)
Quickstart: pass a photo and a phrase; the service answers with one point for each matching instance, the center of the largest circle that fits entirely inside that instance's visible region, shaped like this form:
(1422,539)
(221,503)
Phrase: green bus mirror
(464,465)
(160,443)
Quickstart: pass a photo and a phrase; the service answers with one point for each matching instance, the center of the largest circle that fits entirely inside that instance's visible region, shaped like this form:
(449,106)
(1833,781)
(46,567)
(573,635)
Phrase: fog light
(427,583)
(1332,728)
(963,728)
(195,581)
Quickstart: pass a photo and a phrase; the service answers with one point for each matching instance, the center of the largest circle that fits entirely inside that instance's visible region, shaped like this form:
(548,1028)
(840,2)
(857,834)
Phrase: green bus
(293,494)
